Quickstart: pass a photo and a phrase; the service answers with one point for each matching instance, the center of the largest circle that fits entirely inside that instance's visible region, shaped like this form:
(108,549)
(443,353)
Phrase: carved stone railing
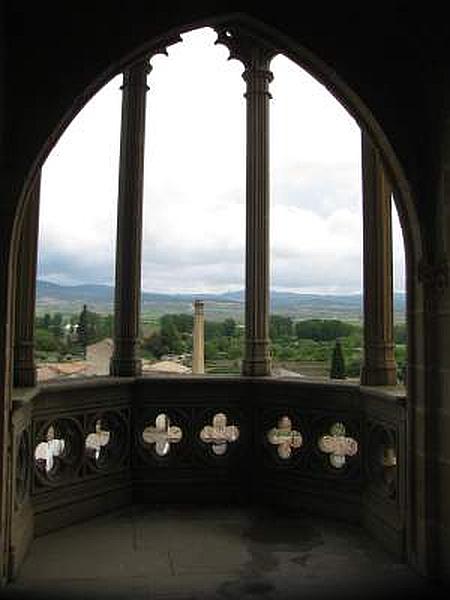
(83,448)
(22,521)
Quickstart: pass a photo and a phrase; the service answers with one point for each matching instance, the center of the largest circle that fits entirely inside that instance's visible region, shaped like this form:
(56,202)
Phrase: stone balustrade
(332,448)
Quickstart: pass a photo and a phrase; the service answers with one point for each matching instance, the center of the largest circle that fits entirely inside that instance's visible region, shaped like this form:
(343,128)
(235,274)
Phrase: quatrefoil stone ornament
(219,435)
(46,451)
(284,437)
(98,440)
(163,434)
(338,445)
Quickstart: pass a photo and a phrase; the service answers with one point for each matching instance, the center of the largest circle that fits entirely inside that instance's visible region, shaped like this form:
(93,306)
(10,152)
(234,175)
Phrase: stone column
(198,339)
(25,374)
(124,362)
(256,56)
(379,366)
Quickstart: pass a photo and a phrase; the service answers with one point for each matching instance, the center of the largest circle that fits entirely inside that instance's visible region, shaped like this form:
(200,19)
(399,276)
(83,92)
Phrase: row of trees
(175,331)
(319,330)
(323,330)
(306,340)
(319,339)
(329,341)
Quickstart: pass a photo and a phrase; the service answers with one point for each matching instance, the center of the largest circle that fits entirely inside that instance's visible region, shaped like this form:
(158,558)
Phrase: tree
(280,326)
(82,330)
(57,325)
(229,327)
(400,333)
(323,330)
(183,322)
(170,335)
(211,350)
(213,330)
(235,349)
(92,327)
(155,345)
(46,321)
(337,370)
(45,341)
(105,327)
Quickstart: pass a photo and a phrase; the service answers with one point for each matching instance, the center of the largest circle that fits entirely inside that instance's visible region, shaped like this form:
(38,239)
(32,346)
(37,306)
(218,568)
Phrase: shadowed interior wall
(394,67)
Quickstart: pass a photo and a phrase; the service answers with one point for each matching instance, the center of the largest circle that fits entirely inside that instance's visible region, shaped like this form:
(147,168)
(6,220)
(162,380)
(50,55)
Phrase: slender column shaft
(125,362)
(379,366)
(257,77)
(25,374)
(198,342)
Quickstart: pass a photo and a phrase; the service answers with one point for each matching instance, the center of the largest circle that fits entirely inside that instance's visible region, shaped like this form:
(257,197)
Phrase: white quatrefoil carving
(163,434)
(284,437)
(219,435)
(338,445)
(45,452)
(98,440)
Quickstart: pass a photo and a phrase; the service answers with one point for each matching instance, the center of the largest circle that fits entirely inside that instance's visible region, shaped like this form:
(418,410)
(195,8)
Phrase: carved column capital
(246,46)
(136,74)
(254,53)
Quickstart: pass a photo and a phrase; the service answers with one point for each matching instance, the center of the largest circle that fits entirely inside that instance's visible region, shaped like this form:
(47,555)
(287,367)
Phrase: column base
(379,375)
(260,368)
(125,368)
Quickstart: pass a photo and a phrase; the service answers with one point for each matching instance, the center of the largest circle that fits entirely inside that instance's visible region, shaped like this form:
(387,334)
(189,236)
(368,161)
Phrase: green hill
(100,298)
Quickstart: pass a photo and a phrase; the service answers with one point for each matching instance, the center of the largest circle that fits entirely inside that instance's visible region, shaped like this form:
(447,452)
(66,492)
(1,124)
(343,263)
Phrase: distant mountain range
(52,297)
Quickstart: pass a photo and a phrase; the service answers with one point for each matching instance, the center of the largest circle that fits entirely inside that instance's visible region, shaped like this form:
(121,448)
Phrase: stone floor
(211,553)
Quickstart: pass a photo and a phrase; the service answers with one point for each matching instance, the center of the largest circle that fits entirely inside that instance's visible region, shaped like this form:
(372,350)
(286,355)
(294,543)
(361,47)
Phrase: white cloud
(194,187)
(79,195)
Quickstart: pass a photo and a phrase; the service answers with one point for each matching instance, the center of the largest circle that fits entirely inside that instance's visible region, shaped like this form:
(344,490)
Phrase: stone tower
(198,343)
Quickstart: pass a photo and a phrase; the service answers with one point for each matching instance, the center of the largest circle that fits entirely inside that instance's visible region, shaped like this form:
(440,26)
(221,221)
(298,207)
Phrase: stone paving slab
(212,553)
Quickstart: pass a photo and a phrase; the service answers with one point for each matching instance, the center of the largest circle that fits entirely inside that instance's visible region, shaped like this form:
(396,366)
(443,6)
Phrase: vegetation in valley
(61,336)
(293,343)
(296,345)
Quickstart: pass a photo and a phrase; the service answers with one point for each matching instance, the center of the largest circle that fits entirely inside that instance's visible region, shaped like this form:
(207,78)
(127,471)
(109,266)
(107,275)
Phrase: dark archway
(403,196)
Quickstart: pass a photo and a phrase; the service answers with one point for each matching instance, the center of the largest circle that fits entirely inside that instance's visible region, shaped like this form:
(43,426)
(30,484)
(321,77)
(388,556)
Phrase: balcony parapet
(88,446)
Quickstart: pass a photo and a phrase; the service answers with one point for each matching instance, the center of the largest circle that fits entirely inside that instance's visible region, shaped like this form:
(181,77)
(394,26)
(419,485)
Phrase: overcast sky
(194,188)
